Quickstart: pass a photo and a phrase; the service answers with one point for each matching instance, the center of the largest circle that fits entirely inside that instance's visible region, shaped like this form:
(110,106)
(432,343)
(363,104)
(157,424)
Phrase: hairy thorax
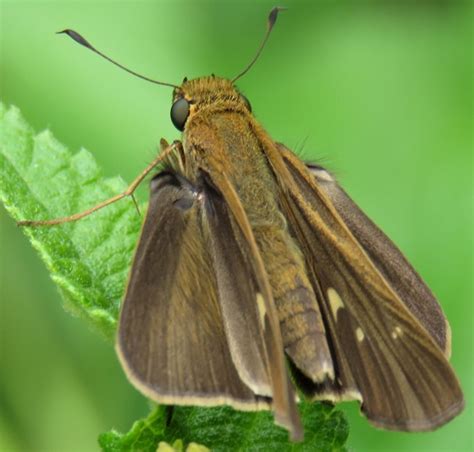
(240,158)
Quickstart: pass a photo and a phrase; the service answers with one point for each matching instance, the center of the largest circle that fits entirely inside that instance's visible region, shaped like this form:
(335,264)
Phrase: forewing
(383,353)
(171,338)
(388,259)
(243,286)
(238,295)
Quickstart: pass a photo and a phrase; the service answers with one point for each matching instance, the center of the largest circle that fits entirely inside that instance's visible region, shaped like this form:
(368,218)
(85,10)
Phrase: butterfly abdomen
(302,328)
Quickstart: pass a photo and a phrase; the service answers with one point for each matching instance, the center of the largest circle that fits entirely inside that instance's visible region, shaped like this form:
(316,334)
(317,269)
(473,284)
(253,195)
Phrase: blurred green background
(380,92)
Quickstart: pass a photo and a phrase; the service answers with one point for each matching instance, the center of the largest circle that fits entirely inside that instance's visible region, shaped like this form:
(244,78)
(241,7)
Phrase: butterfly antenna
(81,40)
(272,17)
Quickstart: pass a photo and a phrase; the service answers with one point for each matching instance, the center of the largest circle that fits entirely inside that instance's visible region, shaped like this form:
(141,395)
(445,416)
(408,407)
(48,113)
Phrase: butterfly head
(206,94)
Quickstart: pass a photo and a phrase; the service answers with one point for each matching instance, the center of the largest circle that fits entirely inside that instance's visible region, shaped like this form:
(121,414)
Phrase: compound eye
(179,113)
(247,103)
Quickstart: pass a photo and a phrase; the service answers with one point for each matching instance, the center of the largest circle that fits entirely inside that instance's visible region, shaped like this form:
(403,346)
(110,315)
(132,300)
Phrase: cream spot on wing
(261,308)
(359,334)
(397,332)
(335,301)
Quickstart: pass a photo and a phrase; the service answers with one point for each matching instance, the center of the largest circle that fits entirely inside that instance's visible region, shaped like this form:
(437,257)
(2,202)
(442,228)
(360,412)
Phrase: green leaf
(89,261)
(144,435)
(224,429)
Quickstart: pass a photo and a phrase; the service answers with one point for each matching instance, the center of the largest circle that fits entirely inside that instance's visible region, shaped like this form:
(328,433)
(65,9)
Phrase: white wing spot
(335,301)
(397,332)
(261,309)
(360,334)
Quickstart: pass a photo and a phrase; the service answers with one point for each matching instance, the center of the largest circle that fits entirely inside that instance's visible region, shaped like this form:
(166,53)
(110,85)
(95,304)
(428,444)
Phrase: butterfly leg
(166,150)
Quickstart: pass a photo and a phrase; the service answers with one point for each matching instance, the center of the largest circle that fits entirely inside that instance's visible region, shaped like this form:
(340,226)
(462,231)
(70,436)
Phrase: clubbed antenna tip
(272,17)
(77,37)
(84,42)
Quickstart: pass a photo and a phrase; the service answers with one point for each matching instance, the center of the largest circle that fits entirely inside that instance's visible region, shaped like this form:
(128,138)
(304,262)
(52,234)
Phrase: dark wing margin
(172,337)
(384,349)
